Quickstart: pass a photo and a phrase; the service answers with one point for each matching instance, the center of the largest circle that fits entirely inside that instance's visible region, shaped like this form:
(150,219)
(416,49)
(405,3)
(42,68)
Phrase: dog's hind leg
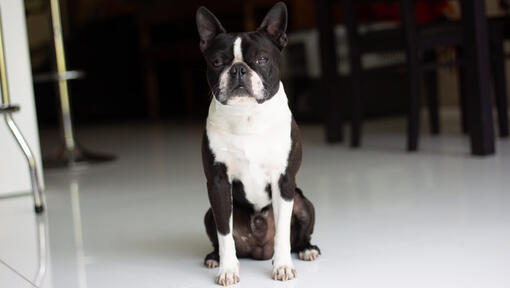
(303,221)
(212,259)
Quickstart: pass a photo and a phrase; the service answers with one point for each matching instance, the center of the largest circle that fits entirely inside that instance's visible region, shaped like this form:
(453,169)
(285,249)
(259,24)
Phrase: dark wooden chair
(499,30)
(419,43)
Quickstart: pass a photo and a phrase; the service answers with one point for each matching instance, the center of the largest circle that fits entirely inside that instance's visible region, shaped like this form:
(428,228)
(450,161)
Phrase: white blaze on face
(238,53)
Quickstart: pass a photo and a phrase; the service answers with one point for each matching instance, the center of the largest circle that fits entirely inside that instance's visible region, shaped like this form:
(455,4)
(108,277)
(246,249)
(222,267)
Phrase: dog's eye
(217,63)
(261,60)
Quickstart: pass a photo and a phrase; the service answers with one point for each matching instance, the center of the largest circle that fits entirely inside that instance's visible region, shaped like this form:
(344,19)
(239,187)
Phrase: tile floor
(385,218)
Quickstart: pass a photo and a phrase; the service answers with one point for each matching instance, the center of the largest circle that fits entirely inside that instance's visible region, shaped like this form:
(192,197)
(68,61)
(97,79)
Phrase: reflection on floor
(385,218)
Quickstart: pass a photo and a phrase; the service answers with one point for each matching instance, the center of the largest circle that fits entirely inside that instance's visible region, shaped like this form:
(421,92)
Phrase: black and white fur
(251,148)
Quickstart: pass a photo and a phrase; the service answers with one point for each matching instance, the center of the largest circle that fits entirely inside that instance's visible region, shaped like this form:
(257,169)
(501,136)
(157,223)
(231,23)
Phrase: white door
(14,176)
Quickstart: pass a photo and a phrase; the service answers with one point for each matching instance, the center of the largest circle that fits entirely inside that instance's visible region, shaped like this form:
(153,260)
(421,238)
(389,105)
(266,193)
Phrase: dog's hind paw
(309,254)
(211,263)
(212,260)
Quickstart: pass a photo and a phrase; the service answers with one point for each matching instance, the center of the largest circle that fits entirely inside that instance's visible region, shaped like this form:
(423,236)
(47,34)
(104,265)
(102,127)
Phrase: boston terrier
(251,151)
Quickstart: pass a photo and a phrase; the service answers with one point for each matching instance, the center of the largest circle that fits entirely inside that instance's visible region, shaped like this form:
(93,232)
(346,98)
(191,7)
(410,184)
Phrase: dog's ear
(275,24)
(208,27)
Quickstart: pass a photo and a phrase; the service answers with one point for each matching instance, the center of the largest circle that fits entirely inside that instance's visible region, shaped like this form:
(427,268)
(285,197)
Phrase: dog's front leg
(220,197)
(283,202)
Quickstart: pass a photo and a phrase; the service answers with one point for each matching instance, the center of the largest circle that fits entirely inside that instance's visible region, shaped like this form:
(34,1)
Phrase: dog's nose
(238,71)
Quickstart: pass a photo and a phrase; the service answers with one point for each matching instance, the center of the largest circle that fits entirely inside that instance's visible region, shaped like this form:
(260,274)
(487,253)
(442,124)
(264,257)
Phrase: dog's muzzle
(239,81)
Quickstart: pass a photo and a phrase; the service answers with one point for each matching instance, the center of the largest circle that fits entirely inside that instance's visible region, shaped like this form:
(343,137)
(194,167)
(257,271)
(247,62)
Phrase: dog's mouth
(240,91)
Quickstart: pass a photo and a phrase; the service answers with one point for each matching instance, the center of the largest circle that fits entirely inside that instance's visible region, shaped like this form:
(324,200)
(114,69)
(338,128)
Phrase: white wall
(14,176)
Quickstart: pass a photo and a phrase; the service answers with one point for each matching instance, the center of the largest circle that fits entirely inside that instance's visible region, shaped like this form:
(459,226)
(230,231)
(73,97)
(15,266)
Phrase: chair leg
(414,107)
(413,65)
(332,103)
(476,51)
(32,165)
(355,65)
(501,98)
(463,100)
(432,93)
(499,79)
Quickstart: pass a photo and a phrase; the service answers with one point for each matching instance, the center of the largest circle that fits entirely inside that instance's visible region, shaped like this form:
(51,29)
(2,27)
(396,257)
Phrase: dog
(251,151)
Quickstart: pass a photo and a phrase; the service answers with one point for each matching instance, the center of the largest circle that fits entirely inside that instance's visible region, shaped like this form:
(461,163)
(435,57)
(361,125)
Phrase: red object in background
(426,11)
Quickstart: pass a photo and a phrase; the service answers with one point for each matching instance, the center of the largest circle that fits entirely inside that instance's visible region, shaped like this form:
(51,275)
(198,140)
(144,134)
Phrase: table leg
(413,70)
(476,51)
(355,71)
(332,104)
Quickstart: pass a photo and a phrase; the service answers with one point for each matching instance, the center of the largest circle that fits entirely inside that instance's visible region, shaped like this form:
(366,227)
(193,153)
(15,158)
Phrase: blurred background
(144,54)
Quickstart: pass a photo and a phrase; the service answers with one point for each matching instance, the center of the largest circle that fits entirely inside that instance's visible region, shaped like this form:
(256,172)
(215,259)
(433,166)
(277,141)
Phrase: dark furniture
(499,31)
(333,117)
(470,33)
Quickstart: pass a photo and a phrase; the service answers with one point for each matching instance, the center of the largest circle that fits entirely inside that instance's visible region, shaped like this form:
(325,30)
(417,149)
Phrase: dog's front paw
(309,254)
(283,270)
(228,275)
(284,273)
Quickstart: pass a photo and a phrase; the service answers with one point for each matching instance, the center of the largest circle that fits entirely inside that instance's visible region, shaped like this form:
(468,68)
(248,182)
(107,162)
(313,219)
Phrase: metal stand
(70,154)
(7,109)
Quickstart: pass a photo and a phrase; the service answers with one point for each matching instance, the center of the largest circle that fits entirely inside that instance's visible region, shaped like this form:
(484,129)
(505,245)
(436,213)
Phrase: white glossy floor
(385,218)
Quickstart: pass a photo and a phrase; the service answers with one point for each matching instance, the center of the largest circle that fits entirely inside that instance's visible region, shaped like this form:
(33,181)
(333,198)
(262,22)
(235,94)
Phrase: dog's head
(243,67)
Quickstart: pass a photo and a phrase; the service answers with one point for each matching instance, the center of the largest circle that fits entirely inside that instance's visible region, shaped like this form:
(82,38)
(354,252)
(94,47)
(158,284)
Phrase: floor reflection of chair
(42,247)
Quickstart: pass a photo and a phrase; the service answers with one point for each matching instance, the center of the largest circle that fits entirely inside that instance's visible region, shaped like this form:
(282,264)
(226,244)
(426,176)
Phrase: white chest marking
(253,141)
(238,53)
